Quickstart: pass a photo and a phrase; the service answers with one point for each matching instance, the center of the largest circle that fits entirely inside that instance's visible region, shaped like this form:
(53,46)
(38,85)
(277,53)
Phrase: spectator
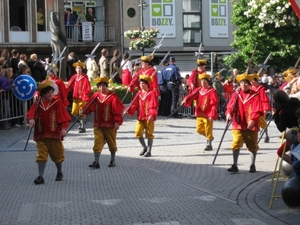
(218,86)
(70,21)
(92,68)
(126,76)
(72,58)
(23,60)
(103,63)
(40,19)
(4,59)
(37,69)
(14,60)
(114,65)
(6,86)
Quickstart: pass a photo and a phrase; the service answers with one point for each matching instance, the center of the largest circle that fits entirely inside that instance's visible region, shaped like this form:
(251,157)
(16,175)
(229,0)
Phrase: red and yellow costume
(206,107)
(146,103)
(108,111)
(244,107)
(50,118)
(81,87)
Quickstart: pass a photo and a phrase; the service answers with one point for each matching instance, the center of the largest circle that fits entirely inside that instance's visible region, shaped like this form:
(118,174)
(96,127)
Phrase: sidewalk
(178,185)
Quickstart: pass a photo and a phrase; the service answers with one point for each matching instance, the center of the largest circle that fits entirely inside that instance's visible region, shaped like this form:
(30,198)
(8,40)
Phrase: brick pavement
(178,185)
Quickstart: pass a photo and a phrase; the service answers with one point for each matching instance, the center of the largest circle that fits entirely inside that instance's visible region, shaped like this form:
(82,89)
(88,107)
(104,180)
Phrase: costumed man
(146,103)
(244,107)
(193,79)
(81,87)
(205,108)
(265,102)
(171,76)
(50,120)
(63,93)
(92,68)
(107,108)
(148,70)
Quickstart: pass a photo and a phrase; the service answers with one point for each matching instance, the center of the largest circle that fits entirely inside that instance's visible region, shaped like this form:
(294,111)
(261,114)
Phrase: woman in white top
(127,70)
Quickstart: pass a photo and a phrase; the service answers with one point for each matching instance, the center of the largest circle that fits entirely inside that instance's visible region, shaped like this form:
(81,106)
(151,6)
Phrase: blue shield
(24,87)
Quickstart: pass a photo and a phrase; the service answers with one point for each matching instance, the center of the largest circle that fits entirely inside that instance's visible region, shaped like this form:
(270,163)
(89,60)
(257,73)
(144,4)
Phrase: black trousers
(174,89)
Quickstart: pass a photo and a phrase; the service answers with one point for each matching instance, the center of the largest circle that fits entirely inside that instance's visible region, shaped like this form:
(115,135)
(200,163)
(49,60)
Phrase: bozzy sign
(162,16)
(218,18)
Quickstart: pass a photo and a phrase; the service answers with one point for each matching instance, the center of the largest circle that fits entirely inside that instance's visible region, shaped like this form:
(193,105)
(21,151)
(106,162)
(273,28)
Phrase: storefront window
(18,15)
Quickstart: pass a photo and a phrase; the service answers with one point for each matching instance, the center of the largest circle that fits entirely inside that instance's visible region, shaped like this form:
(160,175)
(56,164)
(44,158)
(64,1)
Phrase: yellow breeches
(205,127)
(52,146)
(103,134)
(245,136)
(262,122)
(146,125)
(77,106)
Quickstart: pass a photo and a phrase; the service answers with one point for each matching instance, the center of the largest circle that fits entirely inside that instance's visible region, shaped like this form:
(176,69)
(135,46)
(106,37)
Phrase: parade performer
(265,102)
(193,79)
(245,109)
(148,70)
(107,108)
(205,108)
(146,103)
(62,90)
(50,119)
(81,87)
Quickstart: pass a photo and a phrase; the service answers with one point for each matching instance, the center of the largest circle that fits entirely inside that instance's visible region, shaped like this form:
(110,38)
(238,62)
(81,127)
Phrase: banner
(162,17)
(218,18)
(87,31)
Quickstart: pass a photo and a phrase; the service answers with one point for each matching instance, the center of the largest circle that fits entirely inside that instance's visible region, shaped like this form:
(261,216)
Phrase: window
(44,8)
(191,22)
(18,15)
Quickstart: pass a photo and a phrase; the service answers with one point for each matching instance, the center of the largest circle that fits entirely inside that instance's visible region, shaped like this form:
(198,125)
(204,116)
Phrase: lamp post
(143,5)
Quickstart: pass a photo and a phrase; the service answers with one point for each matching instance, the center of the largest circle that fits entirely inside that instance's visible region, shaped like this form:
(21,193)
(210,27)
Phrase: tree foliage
(272,26)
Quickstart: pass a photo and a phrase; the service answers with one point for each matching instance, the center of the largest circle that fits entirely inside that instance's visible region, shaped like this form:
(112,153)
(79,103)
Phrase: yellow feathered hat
(147,58)
(201,62)
(146,78)
(47,83)
(204,76)
(244,76)
(289,74)
(79,63)
(254,75)
(99,80)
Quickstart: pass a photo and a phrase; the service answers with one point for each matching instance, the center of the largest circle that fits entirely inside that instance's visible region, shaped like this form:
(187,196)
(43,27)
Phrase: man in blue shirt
(172,77)
(164,108)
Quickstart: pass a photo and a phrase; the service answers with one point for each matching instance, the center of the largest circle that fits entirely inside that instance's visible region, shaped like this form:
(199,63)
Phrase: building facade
(186,23)
(26,24)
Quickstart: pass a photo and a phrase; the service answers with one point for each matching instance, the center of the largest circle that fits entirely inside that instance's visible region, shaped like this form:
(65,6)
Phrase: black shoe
(148,154)
(112,164)
(39,180)
(143,151)
(59,177)
(95,165)
(267,139)
(82,130)
(252,168)
(208,148)
(233,169)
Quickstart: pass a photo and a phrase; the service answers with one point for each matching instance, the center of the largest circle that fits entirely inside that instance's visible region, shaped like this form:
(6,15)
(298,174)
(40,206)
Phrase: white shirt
(128,65)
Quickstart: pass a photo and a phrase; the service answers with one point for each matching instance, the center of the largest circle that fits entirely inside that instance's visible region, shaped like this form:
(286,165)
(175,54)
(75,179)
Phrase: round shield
(24,87)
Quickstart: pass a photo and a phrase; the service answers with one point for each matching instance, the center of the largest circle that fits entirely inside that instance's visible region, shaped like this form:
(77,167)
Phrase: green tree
(271,25)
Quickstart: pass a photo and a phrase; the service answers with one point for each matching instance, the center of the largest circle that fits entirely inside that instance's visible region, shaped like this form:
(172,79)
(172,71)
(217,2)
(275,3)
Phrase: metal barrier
(12,110)
(99,33)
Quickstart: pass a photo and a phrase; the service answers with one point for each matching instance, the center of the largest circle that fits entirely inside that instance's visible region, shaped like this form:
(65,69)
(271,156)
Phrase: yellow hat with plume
(99,80)
(244,76)
(47,83)
(79,63)
(147,58)
(145,77)
(204,76)
(201,62)
(290,71)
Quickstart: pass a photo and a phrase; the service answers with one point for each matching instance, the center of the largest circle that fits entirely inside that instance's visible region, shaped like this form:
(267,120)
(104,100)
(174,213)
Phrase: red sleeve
(153,104)
(134,105)
(134,82)
(191,79)
(63,116)
(117,109)
(231,104)
(63,92)
(31,112)
(71,84)
(90,107)
(214,105)
(191,97)
(86,89)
